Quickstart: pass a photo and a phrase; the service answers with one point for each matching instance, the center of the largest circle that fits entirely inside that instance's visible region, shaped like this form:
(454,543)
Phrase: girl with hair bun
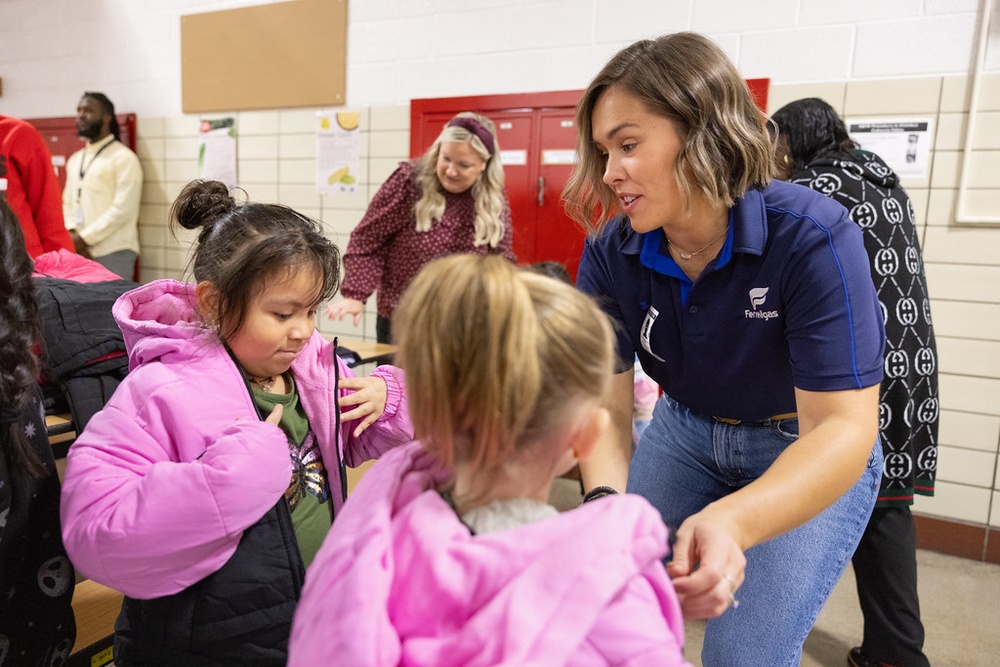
(447,552)
(204,488)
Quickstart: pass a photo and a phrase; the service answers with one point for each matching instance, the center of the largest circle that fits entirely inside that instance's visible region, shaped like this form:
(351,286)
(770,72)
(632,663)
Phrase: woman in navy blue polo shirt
(752,306)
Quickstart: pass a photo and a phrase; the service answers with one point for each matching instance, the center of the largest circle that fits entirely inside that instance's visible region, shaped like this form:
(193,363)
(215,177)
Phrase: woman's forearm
(837,432)
(608,463)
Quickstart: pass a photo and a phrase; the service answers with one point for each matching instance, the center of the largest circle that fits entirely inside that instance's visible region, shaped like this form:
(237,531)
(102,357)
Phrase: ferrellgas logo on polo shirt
(758,295)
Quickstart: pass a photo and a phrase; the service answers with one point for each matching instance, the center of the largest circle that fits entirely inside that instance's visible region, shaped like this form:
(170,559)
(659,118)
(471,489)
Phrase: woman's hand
(336,311)
(836,432)
(369,398)
(708,565)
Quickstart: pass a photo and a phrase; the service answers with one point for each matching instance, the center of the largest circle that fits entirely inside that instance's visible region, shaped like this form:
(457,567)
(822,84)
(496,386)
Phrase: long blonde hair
(487,191)
(683,76)
(496,357)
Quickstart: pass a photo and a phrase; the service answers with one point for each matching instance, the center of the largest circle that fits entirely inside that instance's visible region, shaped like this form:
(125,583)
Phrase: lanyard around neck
(83,172)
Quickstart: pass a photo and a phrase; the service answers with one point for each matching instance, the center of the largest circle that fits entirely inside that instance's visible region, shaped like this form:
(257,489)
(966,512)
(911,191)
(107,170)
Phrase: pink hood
(400,580)
(161,484)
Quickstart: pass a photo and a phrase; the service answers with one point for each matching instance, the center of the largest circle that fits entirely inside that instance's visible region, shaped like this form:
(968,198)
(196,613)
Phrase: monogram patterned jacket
(908,409)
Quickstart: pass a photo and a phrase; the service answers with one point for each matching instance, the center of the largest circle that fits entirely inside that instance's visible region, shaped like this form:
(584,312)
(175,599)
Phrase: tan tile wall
(963,272)
(276,161)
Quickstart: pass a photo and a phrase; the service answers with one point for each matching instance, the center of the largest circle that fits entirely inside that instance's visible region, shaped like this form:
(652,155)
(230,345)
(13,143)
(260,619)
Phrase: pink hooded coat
(401,581)
(162,482)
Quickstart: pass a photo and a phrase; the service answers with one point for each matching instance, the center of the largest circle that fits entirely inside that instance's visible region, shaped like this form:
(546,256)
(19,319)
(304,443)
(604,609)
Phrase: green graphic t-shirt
(308,492)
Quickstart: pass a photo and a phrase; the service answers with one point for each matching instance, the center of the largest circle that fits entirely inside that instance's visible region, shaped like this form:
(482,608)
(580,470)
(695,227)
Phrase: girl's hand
(708,566)
(336,311)
(369,397)
(275,416)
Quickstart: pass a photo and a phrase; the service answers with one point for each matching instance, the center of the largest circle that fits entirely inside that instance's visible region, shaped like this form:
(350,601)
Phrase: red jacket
(31,186)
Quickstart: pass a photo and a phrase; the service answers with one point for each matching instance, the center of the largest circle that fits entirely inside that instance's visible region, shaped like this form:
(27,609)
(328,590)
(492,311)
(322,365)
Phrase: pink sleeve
(144,524)
(643,626)
(391,429)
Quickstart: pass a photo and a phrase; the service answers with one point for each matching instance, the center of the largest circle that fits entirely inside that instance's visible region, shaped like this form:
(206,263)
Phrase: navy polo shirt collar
(747,233)
(652,258)
(749,220)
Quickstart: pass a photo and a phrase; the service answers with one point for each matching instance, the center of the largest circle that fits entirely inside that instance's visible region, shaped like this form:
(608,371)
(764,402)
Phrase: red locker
(537,150)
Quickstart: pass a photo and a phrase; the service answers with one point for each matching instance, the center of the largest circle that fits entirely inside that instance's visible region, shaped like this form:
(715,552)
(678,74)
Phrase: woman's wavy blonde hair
(487,191)
(496,357)
(687,78)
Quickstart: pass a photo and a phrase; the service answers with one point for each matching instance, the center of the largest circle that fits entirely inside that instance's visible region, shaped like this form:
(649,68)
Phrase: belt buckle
(775,418)
(727,420)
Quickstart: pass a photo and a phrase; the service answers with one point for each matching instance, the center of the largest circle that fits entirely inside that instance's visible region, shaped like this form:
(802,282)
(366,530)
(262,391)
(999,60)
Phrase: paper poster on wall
(904,143)
(217,151)
(338,152)
(513,158)
(559,156)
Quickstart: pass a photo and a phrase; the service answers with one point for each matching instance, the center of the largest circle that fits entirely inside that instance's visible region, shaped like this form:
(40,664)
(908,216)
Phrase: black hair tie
(598,492)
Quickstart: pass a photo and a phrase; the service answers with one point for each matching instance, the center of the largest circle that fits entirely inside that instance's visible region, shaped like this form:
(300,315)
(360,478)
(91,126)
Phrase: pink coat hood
(161,484)
(400,580)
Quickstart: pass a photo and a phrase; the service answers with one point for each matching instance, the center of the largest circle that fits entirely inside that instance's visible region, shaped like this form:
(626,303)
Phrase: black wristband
(598,492)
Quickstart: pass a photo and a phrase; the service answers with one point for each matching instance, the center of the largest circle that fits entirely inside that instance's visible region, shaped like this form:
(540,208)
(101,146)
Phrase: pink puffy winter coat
(401,581)
(164,480)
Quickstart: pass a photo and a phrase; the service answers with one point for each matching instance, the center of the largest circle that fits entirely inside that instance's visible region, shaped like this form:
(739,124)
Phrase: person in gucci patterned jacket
(814,149)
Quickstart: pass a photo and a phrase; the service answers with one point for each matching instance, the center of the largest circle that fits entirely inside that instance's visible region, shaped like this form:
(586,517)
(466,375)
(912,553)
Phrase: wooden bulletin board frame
(279,55)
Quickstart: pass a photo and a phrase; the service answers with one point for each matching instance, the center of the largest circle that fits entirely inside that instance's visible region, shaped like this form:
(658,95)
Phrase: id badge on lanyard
(79,188)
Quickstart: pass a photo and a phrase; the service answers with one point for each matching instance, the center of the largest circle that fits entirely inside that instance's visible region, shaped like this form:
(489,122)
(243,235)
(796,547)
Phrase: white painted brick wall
(52,50)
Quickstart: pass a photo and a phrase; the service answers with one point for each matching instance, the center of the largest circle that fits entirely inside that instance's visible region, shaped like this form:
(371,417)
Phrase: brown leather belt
(775,418)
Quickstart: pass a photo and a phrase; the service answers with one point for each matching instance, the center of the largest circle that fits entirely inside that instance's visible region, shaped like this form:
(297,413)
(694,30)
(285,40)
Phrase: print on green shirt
(308,492)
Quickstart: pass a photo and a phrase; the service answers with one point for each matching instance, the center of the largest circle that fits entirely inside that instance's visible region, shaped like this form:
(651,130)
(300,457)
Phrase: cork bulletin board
(279,55)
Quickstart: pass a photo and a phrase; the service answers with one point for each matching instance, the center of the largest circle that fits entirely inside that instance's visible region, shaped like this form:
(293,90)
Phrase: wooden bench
(96,607)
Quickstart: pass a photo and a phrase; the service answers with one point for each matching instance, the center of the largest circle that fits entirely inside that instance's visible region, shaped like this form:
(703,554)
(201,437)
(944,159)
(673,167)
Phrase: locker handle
(541,191)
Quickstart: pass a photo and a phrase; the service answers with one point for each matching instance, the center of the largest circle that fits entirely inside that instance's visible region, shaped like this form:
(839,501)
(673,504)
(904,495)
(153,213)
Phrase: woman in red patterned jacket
(450,200)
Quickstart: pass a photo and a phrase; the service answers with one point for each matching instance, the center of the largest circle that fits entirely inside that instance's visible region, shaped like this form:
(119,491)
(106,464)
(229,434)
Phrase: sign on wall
(338,152)
(904,143)
(271,56)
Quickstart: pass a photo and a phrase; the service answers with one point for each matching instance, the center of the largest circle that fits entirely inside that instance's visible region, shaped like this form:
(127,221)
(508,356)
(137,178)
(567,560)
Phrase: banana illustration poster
(338,152)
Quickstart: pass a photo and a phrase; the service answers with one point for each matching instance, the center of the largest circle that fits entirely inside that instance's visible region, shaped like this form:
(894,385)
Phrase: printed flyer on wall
(904,143)
(217,151)
(338,152)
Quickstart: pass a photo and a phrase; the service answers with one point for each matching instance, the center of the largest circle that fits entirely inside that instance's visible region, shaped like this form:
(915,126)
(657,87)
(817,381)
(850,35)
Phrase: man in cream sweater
(103,189)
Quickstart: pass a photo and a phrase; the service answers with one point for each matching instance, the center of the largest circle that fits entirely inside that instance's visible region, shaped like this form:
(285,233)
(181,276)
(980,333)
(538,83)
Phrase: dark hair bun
(201,203)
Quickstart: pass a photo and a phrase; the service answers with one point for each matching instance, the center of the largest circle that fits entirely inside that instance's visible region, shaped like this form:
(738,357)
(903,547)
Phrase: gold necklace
(263,384)
(688,255)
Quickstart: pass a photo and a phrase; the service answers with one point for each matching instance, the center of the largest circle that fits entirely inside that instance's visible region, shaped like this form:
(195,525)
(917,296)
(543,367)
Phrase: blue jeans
(685,461)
